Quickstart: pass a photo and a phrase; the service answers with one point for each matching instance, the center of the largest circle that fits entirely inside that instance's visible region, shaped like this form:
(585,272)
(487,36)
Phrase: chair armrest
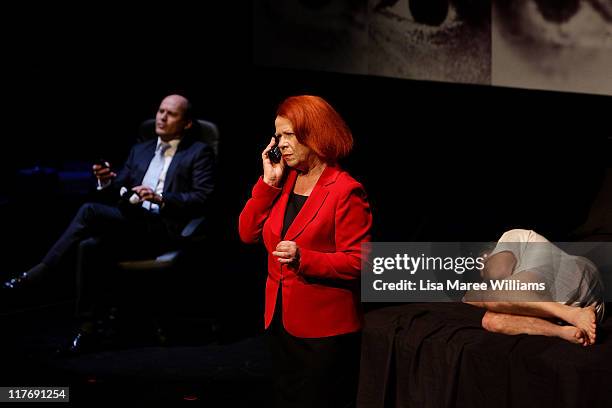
(192,227)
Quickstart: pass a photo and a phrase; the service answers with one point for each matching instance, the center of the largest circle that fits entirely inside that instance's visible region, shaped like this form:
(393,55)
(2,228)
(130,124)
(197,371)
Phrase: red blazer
(320,298)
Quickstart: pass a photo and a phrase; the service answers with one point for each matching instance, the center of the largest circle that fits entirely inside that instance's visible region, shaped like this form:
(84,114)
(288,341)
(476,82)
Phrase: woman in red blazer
(312,217)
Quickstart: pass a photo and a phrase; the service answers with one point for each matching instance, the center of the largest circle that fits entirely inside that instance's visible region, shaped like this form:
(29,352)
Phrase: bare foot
(583,318)
(573,335)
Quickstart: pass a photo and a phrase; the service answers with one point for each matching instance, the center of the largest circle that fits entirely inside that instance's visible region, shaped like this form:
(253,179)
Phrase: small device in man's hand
(129,198)
(129,203)
(274,154)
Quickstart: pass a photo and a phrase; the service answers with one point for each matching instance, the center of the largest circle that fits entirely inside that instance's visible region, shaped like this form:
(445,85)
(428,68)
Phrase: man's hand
(287,252)
(147,194)
(103,173)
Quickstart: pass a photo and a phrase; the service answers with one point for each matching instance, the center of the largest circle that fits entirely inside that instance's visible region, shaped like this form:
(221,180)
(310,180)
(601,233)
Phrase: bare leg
(530,303)
(514,324)
(581,318)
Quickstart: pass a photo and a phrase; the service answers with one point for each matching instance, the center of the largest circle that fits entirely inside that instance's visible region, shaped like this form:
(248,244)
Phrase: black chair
(201,129)
(192,244)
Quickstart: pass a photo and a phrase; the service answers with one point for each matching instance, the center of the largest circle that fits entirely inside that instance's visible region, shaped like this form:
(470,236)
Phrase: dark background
(440,161)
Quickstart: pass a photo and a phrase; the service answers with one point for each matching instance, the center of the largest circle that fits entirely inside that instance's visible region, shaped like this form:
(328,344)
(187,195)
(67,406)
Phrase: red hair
(317,125)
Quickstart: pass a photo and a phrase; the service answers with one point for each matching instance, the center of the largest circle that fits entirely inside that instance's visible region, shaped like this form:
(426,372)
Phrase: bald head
(173,117)
(180,102)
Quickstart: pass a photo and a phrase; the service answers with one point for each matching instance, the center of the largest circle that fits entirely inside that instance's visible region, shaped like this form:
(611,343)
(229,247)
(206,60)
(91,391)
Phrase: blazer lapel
(142,165)
(178,156)
(313,203)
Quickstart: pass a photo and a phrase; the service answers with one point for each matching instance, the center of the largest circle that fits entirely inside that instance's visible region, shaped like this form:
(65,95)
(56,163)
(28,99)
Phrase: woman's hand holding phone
(273,172)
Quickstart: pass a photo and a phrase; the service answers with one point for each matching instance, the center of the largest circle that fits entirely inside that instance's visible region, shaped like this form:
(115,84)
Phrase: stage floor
(229,372)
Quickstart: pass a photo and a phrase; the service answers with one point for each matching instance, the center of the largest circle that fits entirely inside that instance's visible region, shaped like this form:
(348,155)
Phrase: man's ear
(188,125)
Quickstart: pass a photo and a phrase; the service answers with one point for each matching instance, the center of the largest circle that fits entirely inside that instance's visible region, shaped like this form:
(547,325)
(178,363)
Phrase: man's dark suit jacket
(188,185)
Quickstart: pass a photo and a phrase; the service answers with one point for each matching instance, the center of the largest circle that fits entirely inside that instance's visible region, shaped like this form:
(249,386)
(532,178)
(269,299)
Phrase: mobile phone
(274,154)
(101,162)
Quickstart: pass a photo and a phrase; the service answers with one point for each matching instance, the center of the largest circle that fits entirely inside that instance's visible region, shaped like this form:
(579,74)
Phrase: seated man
(573,290)
(171,180)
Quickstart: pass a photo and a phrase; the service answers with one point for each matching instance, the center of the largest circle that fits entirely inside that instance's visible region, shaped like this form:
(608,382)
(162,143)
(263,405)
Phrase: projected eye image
(561,45)
(430,39)
(328,35)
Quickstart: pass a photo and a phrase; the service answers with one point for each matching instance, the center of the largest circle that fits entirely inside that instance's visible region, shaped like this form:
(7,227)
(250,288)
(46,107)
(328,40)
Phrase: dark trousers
(104,235)
(315,373)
